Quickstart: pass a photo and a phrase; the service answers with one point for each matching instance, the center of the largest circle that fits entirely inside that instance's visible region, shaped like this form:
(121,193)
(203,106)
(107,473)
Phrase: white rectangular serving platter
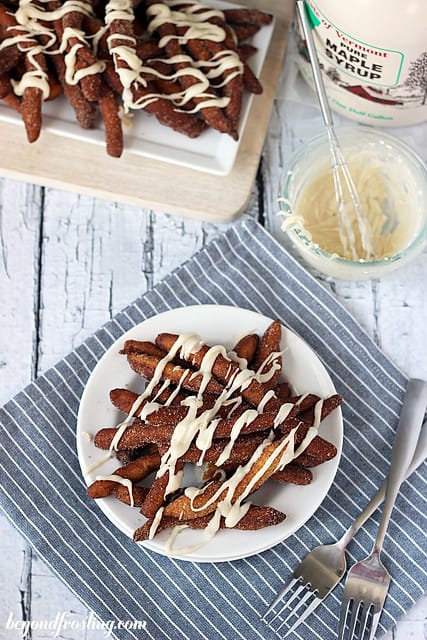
(75,164)
(211,152)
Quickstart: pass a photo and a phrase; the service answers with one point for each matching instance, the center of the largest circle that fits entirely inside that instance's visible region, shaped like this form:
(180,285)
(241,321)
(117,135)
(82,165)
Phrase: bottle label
(365,81)
(352,57)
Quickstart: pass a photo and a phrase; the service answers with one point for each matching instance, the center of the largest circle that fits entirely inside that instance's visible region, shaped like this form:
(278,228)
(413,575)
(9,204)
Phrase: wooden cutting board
(74,165)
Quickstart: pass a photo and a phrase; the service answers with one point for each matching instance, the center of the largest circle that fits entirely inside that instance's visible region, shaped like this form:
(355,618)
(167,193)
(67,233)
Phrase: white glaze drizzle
(73,75)
(156,521)
(126,482)
(97,464)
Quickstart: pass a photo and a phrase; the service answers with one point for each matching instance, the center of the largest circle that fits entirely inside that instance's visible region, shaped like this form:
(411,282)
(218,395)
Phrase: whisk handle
(314,60)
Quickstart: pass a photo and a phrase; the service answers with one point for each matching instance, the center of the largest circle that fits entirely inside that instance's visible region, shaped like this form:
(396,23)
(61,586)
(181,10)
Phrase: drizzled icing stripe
(29,14)
(120,480)
(72,75)
(195,17)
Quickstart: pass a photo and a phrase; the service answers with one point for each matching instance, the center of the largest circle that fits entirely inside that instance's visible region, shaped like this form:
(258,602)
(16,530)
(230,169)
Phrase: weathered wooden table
(68,263)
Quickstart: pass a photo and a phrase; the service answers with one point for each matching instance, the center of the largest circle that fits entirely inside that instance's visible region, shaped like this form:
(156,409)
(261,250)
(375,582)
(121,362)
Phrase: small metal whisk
(339,165)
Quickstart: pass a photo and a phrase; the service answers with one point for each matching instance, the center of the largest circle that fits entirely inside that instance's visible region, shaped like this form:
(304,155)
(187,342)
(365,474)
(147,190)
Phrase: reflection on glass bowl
(392,183)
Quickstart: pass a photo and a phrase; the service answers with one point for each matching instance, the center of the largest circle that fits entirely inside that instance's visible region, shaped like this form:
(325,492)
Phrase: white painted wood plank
(19,240)
(20,227)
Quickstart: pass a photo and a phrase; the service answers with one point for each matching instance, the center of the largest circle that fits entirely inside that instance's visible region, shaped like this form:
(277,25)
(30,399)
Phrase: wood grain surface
(69,262)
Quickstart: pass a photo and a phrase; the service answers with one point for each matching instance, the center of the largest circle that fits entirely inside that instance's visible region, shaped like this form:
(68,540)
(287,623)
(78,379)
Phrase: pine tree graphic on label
(417,76)
(333,74)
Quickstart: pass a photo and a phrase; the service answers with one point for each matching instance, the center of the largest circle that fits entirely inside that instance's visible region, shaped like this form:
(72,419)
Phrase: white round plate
(216,325)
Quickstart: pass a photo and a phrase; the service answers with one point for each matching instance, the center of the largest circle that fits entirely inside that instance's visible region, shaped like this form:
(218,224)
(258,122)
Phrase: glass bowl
(398,162)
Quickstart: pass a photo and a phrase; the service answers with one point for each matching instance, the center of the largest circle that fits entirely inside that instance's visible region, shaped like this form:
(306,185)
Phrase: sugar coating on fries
(179,61)
(246,432)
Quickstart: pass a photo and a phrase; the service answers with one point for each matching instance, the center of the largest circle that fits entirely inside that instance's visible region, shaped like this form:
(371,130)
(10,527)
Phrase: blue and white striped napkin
(44,495)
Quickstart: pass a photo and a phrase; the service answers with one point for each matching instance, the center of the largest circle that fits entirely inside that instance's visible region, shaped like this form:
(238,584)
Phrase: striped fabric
(44,495)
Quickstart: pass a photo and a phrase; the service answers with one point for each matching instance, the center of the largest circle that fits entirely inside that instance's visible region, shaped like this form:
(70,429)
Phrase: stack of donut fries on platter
(181,61)
(226,411)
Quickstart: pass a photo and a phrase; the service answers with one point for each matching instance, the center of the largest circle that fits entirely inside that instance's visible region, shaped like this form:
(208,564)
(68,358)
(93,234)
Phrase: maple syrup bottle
(373,55)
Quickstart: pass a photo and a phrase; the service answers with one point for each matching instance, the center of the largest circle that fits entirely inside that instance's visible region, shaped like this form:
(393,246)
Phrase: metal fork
(323,568)
(368,581)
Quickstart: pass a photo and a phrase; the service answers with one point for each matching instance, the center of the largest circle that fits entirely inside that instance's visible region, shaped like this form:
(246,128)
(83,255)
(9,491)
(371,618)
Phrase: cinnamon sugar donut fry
(33,85)
(31,109)
(293,474)
(321,449)
(268,358)
(146,365)
(248,16)
(6,93)
(246,50)
(243,32)
(131,438)
(257,517)
(84,66)
(328,405)
(138,493)
(232,75)
(85,111)
(133,472)
(250,81)
(142,346)
(246,348)
(305,460)
(170,410)
(9,51)
(124,399)
(223,428)
(162,485)
(112,123)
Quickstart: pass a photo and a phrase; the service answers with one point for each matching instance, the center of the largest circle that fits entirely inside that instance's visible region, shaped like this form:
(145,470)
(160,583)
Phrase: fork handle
(405,442)
(419,456)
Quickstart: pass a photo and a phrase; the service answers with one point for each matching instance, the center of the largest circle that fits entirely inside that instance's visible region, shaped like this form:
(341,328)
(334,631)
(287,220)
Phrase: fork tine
(288,602)
(309,610)
(353,619)
(294,611)
(343,617)
(279,596)
(364,620)
(374,625)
